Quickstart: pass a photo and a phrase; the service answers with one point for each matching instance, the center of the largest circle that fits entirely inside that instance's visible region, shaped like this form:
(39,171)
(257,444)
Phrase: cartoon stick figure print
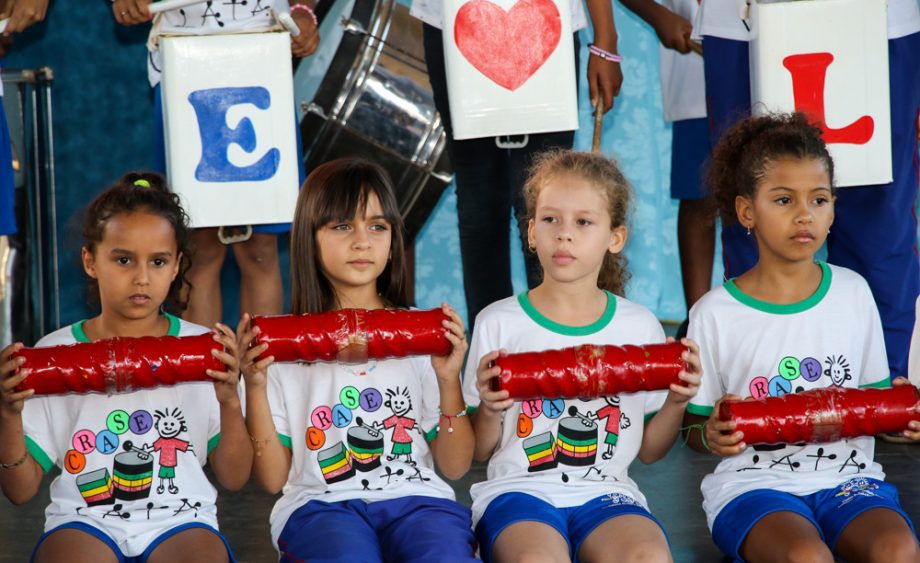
(400,403)
(838,369)
(616,420)
(169,424)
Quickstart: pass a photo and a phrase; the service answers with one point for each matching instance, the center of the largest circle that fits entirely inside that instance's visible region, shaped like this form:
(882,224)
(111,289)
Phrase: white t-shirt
(565,452)
(723,18)
(683,87)
(206,18)
(131,463)
(335,456)
(752,348)
(431,12)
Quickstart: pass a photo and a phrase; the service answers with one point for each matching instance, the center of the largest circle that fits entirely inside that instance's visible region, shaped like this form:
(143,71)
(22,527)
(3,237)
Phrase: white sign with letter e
(228,119)
(829,60)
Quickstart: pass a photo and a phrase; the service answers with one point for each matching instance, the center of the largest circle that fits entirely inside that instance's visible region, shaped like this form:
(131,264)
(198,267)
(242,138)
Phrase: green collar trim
(79,334)
(788,308)
(566,330)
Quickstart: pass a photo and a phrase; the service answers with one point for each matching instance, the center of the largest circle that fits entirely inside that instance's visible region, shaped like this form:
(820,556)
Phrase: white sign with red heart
(510,67)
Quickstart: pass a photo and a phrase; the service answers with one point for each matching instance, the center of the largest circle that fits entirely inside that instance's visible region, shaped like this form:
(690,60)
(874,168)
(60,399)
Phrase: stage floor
(671,485)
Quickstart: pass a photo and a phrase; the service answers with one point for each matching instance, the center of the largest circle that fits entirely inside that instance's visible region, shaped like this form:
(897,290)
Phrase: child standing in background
(543,496)
(786,325)
(136,252)
(354,447)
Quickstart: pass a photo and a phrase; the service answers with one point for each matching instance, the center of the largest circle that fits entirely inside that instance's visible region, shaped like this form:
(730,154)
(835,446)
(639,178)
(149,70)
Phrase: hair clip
(141,183)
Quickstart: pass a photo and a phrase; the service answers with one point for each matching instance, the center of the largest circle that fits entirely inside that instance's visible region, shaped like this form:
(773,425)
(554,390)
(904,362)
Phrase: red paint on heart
(508,47)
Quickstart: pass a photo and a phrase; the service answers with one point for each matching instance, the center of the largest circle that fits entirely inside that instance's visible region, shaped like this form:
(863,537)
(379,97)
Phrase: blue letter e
(211,108)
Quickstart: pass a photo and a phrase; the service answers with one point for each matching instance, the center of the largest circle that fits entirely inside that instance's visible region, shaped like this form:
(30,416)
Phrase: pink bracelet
(307,9)
(606,55)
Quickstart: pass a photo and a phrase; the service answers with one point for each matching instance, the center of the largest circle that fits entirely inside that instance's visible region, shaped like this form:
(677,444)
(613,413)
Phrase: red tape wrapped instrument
(353,336)
(119,365)
(589,371)
(823,415)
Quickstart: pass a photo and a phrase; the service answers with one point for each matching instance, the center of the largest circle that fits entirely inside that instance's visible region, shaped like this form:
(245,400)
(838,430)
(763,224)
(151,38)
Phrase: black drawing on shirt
(819,455)
(755,460)
(389,473)
(787,461)
(210,13)
(852,461)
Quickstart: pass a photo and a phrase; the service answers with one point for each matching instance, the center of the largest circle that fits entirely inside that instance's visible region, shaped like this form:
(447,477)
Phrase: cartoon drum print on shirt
(96,487)
(366,446)
(541,452)
(335,463)
(133,473)
(576,443)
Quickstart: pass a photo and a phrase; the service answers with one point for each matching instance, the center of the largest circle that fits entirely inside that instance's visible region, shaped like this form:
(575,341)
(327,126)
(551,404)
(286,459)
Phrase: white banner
(228,117)
(510,67)
(828,59)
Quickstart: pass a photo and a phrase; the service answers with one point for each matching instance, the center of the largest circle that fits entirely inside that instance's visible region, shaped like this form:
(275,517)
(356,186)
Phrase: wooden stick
(696,47)
(598,126)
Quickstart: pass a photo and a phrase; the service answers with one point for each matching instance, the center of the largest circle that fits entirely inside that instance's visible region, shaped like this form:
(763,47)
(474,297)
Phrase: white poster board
(828,59)
(228,118)
(510,67)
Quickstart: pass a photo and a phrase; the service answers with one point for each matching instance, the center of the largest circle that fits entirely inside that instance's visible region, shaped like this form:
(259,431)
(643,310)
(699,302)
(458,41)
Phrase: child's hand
(494,402)
(225,382)
(306,43)
(22,14)
(913,428)
(255,373)
(673,31)
(131,12)
(13,401)
(721,436)
(681,394)
(447,368)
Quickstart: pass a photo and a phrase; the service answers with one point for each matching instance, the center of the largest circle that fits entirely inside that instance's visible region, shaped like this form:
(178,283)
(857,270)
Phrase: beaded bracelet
(257,444)
(307,9)
(450,419)
(606,55)
(16,463)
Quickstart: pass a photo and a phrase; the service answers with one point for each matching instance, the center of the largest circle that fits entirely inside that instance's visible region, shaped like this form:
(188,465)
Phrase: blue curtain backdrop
(103,116)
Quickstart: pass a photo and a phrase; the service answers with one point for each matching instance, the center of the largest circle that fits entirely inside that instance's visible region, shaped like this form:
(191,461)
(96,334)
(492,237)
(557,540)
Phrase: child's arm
(673,30)
(664,427)
(232,458)
(271,461)
(604,77)
(22,14)
(487,420)
(453,447)
(707,435)
(131,12)
(20,474)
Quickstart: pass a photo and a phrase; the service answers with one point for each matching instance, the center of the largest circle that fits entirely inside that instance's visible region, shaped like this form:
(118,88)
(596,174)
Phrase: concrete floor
(671,485)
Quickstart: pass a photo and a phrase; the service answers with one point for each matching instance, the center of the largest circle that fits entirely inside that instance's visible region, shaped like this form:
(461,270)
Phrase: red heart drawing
(508,47)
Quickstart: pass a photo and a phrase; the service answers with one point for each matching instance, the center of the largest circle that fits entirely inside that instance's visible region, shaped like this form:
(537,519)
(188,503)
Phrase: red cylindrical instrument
(590,371)
(119,365)
(823,415)
(353,335)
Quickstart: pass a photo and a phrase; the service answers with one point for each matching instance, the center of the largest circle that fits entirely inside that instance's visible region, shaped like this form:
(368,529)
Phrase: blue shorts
(829,510)
(410,529)
(689,149)
(575,523)
(122,558)
(159,159)
(7,184)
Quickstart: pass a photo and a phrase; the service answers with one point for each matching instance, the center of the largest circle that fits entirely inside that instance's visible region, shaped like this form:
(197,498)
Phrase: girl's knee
(808,550)
(259,252)
(646,552)
(895,546)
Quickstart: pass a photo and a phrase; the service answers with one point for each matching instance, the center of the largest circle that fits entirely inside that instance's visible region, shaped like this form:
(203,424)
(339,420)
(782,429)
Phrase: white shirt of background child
(683,86)
(316,408)
(527,458)
(722,18)
(57,426)
(749,348)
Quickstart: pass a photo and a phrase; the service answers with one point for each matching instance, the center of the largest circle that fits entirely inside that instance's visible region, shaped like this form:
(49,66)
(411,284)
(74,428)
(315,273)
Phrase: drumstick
(129,447)
(573,411)
(695,47)
(166,5)
(598,126)
(370,429)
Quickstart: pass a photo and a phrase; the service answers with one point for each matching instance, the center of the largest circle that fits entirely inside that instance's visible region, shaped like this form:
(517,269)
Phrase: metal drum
(133,476)
(366,448)
(577,441)
(365,92)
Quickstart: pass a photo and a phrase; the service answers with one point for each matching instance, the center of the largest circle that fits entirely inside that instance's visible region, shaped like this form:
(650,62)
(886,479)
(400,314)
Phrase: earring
(749,231)
(532,246)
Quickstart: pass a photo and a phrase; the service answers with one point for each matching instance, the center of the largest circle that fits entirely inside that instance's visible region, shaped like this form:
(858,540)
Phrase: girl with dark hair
(553,493)
(354,447)
(107,504)
(789,324)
